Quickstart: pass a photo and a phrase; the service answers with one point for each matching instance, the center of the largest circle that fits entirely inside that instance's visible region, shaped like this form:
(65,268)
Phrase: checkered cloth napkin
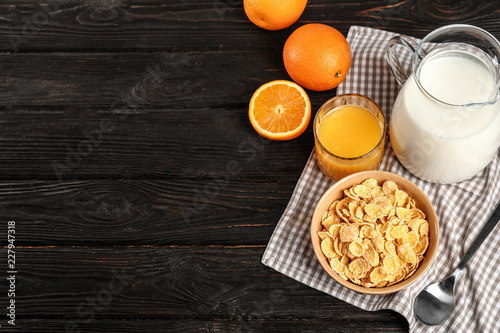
(462,209)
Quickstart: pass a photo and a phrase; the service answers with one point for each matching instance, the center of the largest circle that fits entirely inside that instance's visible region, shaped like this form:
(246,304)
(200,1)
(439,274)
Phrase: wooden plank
(144,212)
(130,82)
(209,24)
(379,322)
(136,80)
(161,144)
(90,284)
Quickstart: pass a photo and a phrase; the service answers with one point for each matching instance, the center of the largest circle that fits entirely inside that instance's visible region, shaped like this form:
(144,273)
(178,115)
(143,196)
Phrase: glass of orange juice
(349,135)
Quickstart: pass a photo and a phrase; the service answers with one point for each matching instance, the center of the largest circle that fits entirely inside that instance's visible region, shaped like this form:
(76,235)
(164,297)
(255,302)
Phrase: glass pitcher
(445,123)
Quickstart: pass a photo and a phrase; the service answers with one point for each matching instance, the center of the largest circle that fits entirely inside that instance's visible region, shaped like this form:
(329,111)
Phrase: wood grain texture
(116,212)
(143,198)
(242,325)
(130,82)
(196,144)
(59,124)
(86,285)
(115,25)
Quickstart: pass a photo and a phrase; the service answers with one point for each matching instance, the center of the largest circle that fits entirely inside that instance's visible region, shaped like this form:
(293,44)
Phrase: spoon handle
(488,227)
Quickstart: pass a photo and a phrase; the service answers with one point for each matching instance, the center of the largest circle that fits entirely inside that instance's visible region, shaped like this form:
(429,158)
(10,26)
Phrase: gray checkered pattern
(462,209)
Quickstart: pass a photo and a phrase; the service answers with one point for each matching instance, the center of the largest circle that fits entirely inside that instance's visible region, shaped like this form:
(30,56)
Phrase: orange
(280,110)
(317,56)
(274,14)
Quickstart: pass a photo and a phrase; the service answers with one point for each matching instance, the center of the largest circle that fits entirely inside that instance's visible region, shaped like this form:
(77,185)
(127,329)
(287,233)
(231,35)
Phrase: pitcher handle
(398,70)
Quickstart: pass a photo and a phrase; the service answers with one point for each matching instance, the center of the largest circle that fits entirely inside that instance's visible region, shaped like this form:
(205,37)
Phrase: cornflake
(375,236)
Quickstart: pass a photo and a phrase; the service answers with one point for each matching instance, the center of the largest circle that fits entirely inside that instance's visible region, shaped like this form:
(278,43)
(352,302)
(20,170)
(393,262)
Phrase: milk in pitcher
(438,133)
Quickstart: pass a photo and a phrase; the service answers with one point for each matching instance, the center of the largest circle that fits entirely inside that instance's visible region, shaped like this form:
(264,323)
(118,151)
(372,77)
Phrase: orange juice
(349,136)
(349,131)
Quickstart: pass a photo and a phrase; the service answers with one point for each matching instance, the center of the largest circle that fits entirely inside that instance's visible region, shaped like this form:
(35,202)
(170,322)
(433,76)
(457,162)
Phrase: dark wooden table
(141,198)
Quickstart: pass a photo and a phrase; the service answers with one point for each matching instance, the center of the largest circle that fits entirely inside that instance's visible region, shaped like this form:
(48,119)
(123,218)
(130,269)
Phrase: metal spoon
(434,304)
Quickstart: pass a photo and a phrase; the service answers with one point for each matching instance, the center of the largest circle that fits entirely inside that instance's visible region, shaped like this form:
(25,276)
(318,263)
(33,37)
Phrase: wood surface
(142,197)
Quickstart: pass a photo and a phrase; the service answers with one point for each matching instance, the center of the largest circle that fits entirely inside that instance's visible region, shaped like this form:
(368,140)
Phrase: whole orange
(317,56)
(274,14)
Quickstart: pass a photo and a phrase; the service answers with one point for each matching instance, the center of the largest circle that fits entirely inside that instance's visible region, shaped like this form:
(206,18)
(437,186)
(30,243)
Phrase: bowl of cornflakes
(375,232)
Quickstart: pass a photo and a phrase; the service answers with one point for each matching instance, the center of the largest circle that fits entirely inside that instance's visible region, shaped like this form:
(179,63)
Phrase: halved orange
(280,110)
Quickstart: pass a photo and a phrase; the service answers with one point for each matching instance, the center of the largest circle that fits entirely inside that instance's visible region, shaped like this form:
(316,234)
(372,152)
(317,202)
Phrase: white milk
(447,143)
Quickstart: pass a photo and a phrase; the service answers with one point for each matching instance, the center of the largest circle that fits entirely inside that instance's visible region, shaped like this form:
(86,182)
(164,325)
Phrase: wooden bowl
(422,202)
